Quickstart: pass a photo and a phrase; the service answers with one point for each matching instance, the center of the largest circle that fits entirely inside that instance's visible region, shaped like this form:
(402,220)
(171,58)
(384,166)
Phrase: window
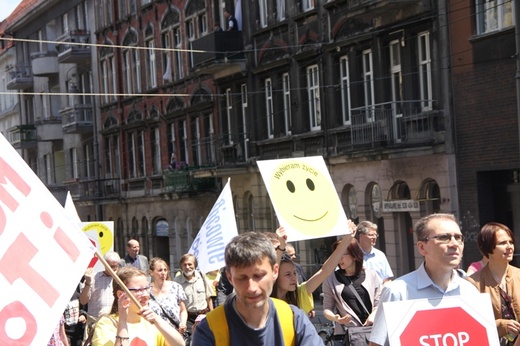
(150,71)
(345,90)
(280,9)
(307,5)
(190,30)
(167,63)
(396,78)
(243,101)
(269,107)
(368,84)
(173,144)
(178,53)
(136,73)
(48,168)
(287,103)
(136,161)
(203,24)
(74,169)
(229,110)
(108,80)
(88,152)
(425,73)
(108,156)
(493,15)
(263,13)
(127,72)
(65,23)
(195,142)
(183,131)
(104,13)
(313,91)
(126,8)
(155,139)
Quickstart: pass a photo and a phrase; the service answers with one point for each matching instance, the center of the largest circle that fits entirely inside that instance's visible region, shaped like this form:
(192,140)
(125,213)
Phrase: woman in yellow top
(286,285)
(129,325)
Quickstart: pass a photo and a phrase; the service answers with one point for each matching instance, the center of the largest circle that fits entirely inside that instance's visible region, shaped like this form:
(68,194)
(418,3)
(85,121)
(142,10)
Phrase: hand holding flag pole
(117,279)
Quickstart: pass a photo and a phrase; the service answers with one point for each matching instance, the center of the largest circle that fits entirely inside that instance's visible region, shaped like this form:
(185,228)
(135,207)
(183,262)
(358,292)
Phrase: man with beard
(250,317)
(196,287)
(441,243)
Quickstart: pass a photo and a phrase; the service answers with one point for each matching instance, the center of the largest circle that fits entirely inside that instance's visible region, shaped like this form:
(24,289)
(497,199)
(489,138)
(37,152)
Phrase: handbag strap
(353,289)
(165,313)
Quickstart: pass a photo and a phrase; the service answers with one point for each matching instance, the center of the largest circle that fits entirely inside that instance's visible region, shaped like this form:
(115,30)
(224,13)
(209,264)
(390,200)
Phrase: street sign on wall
(401,205)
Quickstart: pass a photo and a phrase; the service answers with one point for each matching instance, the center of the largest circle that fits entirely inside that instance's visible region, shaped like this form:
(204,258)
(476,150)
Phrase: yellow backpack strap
(286,318)
(217,322)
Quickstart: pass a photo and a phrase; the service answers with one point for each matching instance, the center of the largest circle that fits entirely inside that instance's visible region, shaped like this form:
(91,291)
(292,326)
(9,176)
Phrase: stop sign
(444,327)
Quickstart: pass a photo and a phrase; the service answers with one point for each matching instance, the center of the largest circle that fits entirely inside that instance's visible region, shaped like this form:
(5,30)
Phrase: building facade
(177,108)
(484,65)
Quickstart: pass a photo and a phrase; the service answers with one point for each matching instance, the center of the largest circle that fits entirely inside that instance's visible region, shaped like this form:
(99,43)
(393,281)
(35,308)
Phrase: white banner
(43,254)
(304,197)
(217,231)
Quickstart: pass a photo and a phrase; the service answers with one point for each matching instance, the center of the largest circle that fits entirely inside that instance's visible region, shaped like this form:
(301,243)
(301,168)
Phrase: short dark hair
(249,248)
(422,229)
(487,237)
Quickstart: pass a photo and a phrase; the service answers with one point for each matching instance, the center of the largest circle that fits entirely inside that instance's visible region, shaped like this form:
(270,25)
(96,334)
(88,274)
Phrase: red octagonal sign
(444,327)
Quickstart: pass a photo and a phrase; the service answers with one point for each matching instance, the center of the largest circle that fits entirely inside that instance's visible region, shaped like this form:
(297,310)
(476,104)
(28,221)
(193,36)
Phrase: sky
(7,6)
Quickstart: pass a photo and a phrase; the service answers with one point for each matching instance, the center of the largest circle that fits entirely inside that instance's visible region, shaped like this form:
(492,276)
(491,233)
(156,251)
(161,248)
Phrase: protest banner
(43,254)
(217,231)
(304,197)
(448,321)
(101,234)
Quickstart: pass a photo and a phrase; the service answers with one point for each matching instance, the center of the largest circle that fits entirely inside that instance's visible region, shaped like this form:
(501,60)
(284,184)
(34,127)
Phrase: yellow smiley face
(104,238)
(305,198)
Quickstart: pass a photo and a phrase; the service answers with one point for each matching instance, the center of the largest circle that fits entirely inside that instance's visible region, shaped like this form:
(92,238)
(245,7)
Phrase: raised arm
(332,262)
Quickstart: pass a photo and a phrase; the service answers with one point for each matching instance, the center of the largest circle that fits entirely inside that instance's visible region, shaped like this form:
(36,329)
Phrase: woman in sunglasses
(498,278)
(130,325)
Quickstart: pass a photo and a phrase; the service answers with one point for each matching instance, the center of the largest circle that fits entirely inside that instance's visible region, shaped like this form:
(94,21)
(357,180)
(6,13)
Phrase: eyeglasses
(446,238)
(140,291)
(372,235)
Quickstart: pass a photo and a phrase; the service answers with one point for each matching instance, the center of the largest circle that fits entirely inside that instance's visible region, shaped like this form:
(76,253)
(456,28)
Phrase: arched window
(429,197)
(349,201)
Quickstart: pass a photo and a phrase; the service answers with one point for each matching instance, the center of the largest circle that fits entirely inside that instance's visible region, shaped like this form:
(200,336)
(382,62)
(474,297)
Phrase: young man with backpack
(250,317)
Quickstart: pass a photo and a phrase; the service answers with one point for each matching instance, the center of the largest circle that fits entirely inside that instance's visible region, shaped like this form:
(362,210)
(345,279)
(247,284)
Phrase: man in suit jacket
(134,259)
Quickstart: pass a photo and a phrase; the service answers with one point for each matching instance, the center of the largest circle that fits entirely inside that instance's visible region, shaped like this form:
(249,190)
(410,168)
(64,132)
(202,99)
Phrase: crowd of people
(261,297)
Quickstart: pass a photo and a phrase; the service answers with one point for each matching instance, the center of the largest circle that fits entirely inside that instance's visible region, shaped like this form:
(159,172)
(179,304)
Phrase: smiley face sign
(304,197)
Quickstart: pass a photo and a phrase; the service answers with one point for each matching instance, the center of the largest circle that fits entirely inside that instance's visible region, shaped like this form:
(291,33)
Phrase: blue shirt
(377,261)
(241,334)
(416,285)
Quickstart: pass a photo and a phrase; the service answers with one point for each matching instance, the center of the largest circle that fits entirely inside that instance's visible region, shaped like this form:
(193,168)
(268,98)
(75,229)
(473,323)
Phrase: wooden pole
(117,279)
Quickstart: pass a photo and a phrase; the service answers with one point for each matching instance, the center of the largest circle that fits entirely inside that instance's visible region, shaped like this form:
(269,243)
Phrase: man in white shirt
(441,243)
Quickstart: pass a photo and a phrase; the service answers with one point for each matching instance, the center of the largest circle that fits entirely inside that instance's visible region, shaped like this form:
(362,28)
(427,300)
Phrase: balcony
(19,77)
(49,129)
(77,119)
(183,180)
(73,49)
(100,189)
(221,53)
(391,124)
(44,64)
(22,136)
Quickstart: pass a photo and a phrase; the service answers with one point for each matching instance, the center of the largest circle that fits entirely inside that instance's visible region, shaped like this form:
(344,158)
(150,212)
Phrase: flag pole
(117,279)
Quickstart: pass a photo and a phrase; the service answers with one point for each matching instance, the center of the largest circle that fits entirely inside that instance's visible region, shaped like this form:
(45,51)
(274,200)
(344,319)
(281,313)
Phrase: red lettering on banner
(14,310)
(8,172)
(61,237)
(15,265)
(3,221)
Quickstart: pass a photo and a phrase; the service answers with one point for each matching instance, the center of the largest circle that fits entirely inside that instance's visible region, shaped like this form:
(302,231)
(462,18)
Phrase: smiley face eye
(101,234)
(290,186)
(310,184)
